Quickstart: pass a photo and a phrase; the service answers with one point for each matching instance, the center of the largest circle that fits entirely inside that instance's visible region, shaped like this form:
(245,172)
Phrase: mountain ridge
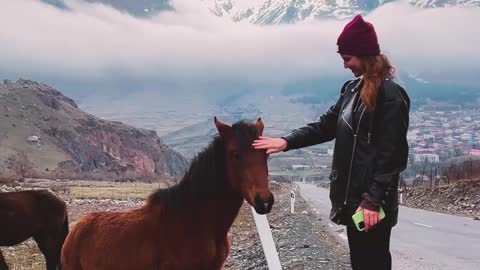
(40,121)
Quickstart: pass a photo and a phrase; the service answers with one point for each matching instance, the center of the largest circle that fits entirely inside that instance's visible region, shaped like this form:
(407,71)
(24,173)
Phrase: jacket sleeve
(391,145)
(323,130)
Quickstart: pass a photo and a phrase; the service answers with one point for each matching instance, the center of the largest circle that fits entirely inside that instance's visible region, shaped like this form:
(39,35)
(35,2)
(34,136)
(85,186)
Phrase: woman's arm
(391,145)
(392,154)
(314,133)
(323,130)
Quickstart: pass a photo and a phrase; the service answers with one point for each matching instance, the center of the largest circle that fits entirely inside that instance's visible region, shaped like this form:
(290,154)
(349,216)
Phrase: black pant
(370,250)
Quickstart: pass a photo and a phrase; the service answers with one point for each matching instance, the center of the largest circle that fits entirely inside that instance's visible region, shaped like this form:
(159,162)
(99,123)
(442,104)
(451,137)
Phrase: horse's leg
(61,240)
(3,264)
(51,243)
(47,243)
(222,254)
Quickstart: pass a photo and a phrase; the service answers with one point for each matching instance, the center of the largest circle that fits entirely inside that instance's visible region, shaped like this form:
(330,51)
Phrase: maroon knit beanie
(358,38)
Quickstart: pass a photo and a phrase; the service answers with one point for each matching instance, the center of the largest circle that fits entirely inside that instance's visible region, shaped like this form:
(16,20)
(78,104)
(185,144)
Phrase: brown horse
(183,227)
(34,213)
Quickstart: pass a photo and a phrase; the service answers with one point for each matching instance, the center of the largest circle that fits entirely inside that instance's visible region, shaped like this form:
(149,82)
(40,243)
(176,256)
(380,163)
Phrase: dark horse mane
(206,176)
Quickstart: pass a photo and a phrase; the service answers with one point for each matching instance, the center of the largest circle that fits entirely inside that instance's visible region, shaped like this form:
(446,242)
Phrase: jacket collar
(348,108)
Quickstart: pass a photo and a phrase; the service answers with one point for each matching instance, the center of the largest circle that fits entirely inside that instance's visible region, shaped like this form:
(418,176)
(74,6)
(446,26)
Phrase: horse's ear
(223,129)
(259,126)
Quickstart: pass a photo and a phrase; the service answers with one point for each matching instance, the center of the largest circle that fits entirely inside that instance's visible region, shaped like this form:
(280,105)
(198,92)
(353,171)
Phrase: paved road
(422,240)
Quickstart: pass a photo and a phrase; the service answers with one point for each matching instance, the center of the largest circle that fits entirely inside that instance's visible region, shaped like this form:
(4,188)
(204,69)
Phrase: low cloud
(93,42)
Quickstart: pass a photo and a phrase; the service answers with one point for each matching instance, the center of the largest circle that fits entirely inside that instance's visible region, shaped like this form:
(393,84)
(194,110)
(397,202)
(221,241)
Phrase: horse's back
(30,198)
(50,204)
(40,205)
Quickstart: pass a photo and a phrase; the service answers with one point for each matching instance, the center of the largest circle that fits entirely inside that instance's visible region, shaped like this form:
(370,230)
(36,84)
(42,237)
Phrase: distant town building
(421,150)
(300,167)
(475,152)
(433,158)
(441,107)
(33,138)
(429,137)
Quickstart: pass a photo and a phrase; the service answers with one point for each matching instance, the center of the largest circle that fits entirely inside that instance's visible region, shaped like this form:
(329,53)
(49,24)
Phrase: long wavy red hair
(376,70)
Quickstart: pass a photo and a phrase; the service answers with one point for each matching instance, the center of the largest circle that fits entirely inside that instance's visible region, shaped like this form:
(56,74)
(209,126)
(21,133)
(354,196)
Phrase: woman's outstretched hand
(272,145)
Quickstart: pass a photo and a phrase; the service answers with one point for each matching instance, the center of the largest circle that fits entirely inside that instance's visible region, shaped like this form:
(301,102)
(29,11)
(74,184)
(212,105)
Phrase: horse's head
(246,167)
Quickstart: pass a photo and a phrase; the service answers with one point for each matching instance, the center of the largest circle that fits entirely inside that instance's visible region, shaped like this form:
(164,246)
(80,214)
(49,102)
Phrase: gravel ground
(301,241)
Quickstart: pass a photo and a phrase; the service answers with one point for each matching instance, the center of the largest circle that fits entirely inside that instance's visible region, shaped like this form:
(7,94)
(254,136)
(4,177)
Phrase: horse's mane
(205,178)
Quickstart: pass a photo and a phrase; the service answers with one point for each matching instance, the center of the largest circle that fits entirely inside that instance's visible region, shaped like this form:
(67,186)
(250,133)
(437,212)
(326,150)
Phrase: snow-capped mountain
(289,11)
(444,3)
(272,11)
(293,11)
(140,8)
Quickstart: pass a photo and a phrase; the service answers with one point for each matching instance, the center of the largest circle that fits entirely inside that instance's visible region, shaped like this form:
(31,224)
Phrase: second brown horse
(34,213)
(183,227)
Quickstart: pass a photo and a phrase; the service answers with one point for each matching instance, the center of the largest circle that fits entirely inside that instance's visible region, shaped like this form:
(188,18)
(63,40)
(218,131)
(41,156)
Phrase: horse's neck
(221,213)
(218,208)
(217,213)
(213,213)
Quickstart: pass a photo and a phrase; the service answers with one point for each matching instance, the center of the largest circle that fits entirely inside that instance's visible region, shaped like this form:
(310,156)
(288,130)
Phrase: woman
(369,123)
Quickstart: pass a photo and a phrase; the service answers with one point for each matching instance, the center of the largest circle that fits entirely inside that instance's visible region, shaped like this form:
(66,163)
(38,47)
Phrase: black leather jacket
(370,148)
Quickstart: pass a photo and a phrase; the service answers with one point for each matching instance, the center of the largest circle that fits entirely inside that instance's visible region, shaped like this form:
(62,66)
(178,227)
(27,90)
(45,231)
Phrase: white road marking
(343,236)
(266,239)
(423,225)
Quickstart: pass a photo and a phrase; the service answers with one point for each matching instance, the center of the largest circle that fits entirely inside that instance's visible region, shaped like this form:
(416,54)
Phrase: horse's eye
(236,155)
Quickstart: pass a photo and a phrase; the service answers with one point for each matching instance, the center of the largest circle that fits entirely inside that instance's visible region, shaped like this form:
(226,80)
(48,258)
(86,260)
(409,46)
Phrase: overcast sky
(92,42)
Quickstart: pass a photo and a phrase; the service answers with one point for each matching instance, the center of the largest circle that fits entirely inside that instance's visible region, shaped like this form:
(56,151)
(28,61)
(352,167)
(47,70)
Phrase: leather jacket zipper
(353,156)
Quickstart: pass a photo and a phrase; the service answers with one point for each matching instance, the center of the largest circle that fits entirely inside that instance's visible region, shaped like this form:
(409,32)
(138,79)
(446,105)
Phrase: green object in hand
(359,222)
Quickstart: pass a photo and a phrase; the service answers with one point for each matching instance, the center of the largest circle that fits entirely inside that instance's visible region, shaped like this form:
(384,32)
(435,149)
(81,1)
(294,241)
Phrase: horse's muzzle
(263,206)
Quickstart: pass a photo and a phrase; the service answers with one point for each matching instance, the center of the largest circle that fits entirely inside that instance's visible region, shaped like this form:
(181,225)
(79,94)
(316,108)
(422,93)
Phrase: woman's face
(353,63)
